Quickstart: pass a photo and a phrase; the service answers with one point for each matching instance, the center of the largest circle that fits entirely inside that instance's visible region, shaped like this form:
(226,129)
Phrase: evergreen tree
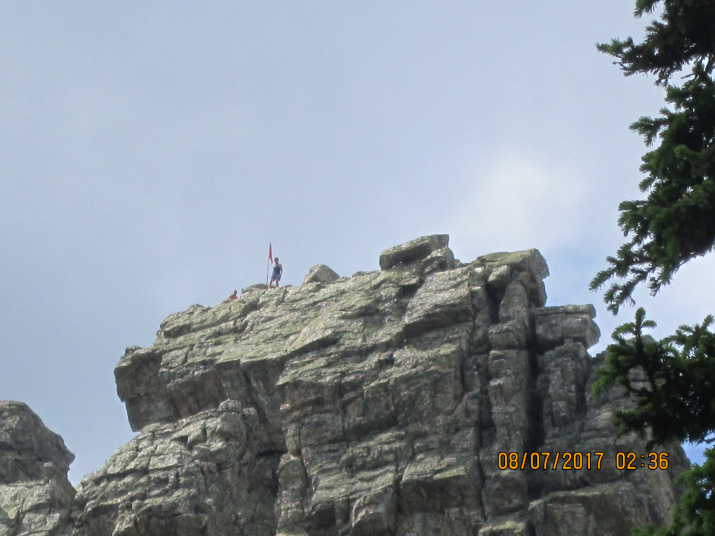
(672,225)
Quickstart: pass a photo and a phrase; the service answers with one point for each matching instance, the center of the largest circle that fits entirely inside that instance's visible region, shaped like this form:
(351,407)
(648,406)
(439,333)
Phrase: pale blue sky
(149,152)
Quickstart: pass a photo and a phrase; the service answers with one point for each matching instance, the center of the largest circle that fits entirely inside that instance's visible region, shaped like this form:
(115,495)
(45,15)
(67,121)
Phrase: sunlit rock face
(413,400)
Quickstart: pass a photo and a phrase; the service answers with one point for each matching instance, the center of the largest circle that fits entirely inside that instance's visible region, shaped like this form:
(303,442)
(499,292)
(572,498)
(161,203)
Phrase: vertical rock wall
(398,402)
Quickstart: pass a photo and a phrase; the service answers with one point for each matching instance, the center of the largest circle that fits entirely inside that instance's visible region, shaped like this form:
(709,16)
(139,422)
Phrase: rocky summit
(431,397)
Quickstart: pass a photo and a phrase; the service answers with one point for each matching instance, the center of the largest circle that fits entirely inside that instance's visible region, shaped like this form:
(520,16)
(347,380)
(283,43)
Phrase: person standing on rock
(277,273)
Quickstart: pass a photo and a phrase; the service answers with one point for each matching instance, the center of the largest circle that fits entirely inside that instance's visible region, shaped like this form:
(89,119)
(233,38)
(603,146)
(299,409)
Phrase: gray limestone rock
(320,274)
(35,495)
(415,250)
(199,475)
(554,325)
(439,260)
(428,398)
(528,267)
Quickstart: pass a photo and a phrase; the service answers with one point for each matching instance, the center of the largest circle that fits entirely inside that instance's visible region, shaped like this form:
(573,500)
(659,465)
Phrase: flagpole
(270,258)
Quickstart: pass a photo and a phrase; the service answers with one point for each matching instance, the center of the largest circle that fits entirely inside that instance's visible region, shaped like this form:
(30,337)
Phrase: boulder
(320,274)
(415,250)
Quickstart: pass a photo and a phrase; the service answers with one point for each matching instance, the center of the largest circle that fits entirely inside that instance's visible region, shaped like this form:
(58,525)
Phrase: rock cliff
(35,495)
(409,401)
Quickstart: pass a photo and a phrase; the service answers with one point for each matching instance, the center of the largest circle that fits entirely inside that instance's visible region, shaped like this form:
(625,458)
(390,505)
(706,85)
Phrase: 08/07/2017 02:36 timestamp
(571,461)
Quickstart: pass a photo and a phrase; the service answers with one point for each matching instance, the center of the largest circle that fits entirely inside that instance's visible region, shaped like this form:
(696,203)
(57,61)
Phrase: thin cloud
(517,200)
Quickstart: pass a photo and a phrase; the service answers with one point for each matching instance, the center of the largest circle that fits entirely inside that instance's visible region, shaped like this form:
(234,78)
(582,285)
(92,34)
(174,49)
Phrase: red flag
(270,253)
